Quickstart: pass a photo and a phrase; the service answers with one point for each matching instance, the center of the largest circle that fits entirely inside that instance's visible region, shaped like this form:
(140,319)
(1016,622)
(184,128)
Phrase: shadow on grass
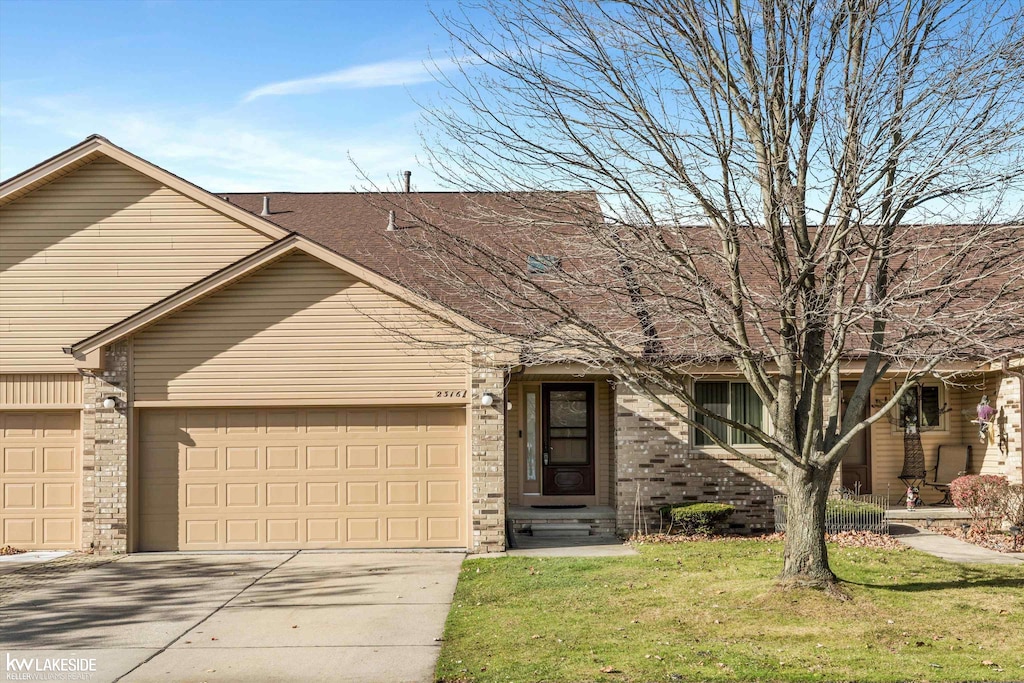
(967,578)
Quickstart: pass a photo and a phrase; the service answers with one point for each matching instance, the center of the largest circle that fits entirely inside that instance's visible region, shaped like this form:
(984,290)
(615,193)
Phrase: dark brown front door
(857,460)
(568,455)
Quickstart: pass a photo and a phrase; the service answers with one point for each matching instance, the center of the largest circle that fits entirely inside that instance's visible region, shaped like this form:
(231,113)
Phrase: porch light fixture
(487,399)
(109,402)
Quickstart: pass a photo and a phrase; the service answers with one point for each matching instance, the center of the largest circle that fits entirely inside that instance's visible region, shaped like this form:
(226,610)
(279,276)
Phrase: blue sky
(231,95)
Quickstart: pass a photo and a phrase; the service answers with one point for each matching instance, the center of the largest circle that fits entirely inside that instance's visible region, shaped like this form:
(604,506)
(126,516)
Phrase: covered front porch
(883,461)
(584,454)
(559,452)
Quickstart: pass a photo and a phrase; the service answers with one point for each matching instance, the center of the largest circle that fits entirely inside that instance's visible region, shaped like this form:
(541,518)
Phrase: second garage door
(40,502)
(302,478)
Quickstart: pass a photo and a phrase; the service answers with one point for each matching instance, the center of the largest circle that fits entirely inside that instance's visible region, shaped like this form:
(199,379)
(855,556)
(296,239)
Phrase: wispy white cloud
(376,75)
(224,152)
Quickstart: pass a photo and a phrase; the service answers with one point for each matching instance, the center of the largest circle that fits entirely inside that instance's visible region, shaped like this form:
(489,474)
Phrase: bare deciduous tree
(795,187)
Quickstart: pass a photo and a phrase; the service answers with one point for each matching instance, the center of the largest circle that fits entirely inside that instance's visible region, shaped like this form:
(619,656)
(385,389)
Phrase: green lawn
(709,611)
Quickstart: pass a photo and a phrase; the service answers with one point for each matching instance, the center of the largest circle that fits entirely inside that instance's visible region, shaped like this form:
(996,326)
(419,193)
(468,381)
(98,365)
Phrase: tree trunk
(806,557)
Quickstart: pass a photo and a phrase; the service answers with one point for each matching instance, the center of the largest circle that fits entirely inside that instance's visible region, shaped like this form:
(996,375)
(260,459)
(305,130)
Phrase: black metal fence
(843,512)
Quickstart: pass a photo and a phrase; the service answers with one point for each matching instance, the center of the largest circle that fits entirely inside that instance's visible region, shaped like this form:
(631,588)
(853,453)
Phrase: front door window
(568,458)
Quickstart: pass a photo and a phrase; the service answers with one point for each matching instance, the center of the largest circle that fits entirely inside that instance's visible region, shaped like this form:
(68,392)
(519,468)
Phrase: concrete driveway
(306,616)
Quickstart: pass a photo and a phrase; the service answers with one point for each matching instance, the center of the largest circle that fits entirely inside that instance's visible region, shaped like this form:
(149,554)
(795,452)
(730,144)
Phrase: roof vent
(266,207)
(227,199)
(391,221)
(407,181)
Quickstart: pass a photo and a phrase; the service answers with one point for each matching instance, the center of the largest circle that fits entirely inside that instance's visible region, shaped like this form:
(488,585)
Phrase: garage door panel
(404,529)
(323,530)
(298,478)
(363,457)
(59,460)
(40,506)
(19,461)
(243,531)
(199,532)
(20,532)
(20,426)
(283,531)
(242,458)
(242,495)
(322,458)
(444,530)
(57,495)
(59,531)
(21,496)
(282,458)
(242,422)
(60,425)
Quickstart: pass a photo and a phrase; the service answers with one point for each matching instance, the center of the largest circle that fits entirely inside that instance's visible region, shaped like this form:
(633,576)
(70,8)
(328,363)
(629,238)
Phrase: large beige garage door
(302,478)
(40,499)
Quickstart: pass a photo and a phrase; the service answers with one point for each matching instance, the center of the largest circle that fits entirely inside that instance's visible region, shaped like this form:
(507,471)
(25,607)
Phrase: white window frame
(943,425)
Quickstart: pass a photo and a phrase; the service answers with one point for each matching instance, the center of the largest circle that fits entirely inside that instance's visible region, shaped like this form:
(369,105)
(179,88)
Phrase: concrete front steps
(562,522)
(929,517)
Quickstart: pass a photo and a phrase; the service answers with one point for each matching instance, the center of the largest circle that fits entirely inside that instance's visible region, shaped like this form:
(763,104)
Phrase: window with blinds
(734,400)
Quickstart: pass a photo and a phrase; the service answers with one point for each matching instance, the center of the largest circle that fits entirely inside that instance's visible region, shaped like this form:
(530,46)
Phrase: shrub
(697,518)
(982,495)
(1013,506)
(851,507)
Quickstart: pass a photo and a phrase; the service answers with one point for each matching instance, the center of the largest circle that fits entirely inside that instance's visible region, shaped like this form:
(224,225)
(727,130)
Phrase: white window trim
(943,426)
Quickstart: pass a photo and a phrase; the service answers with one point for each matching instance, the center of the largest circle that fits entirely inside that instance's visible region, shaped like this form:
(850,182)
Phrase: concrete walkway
(951,549)
(233,617)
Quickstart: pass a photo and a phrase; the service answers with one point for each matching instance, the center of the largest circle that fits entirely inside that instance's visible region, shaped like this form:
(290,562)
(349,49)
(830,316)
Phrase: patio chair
(950,463)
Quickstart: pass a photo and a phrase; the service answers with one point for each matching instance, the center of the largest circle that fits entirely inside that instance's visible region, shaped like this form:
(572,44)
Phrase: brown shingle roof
(355,226)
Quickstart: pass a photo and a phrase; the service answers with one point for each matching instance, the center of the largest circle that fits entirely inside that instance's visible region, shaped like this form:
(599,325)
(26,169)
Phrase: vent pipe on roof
(407,181)
(227,199)
(266,207)
(391,221)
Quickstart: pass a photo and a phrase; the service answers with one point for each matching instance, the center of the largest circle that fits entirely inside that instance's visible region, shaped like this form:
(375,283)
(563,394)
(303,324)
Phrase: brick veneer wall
(487,462)
(105,454)
(1010,400)
(652,450)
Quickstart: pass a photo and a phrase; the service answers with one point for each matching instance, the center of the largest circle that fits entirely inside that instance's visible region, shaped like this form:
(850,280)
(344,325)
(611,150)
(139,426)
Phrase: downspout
(1020,398)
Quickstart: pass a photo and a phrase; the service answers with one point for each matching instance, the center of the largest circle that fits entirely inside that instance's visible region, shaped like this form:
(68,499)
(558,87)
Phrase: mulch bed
(993,540)
(845,539)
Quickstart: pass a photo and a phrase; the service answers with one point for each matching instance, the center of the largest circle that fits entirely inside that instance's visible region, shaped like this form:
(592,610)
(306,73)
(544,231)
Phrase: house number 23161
(451,394)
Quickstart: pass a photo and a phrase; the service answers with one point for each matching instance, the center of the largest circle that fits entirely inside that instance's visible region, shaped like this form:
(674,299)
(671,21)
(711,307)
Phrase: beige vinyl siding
(987,457)
(298,331)
(887,443)
(40,390)
(93,247)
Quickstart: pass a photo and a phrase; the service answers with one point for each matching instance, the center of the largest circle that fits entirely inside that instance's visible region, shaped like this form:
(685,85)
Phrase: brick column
(487,460)
(105,454)
(1011,413)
